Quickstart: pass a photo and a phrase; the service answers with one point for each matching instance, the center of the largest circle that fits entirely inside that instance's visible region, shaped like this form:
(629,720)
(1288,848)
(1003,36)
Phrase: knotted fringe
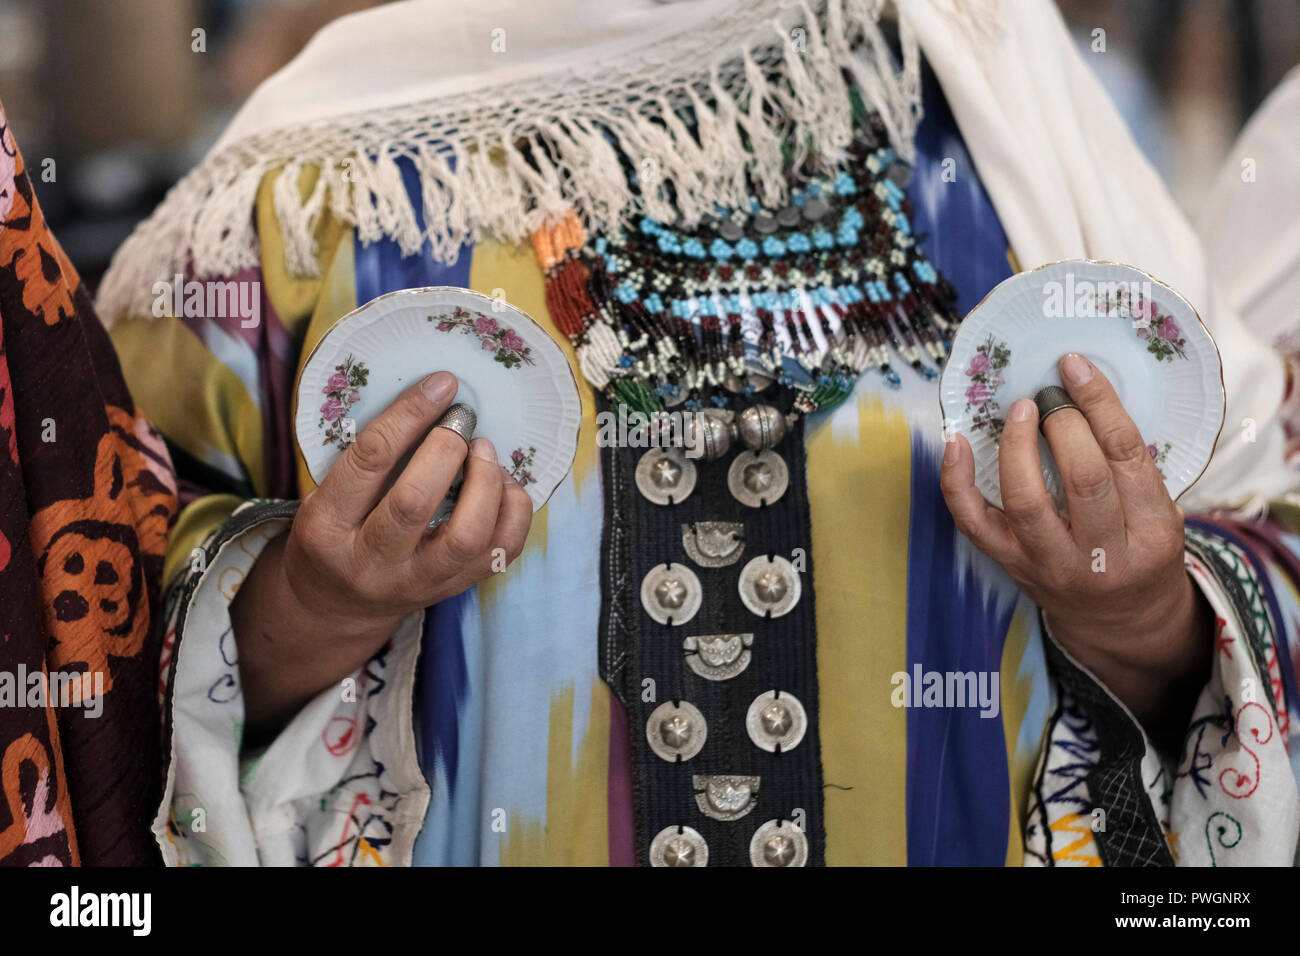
(505,160)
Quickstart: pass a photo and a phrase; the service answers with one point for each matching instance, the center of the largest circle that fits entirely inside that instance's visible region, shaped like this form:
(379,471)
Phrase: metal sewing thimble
(460,418)
(1052,399)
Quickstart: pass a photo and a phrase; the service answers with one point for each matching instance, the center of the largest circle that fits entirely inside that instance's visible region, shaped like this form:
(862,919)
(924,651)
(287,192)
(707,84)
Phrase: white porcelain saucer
(1142,335)
(511,372)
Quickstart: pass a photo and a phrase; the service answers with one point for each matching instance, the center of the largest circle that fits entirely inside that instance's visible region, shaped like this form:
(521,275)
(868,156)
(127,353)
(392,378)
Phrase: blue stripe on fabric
(450,691)
(450,723)
(960,231)
(958,782)
(381,267)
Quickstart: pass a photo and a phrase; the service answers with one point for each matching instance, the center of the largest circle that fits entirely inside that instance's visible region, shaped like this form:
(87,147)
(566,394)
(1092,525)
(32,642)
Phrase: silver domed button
(778,843)
(758,477)
(761,426)
(718,656)
(709,433)
(665,475)
(678,846)
(676,730)
(776,721)
(671,594)
(770,587)
(714,544)
(725,796)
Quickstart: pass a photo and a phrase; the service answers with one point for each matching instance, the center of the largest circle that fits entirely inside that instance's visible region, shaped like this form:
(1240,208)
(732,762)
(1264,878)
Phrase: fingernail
(482,448)
(439,386)
(1076,369)
(950,451)
(1021,410)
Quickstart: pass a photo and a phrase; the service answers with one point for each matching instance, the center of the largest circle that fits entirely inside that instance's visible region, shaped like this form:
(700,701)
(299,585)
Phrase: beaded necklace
(810,296)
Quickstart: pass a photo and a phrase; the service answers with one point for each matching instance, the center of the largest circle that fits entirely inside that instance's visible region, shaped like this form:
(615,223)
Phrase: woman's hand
(322,599)
(1108,575)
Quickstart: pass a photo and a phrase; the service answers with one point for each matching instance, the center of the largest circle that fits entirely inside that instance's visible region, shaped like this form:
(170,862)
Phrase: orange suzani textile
(87,496)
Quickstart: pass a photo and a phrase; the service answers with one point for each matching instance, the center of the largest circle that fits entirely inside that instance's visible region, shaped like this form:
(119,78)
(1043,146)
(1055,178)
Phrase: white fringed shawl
(460,89)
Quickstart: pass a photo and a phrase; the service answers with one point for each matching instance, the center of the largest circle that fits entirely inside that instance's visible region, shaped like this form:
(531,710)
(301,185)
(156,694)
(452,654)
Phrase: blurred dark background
(125,97)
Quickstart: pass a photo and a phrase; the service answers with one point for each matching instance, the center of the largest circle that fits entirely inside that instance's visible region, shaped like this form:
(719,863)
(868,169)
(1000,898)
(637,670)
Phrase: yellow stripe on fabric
(199,519)
(574,831)
(515,272)
(161,359)
(1017,688)
(859,497)
(294,298)
(337,297)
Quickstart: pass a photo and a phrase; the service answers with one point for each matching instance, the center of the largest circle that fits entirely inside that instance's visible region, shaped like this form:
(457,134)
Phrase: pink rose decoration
(978,365)
(485,326)
(337,382)
(1144,334)
(331,410)
(444,326)
(978,393)
(488,345)
(1152,451)
(512,341)
(517,456)
(1169,329)
(352,397)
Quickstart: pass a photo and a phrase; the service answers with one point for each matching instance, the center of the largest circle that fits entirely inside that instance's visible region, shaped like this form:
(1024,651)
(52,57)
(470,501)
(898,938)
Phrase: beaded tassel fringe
(809,295)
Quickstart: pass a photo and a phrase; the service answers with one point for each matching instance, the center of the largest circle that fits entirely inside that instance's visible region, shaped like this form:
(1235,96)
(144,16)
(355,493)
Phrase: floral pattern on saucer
(1158,329)
(342,391)
(520,462)
(1159,454)
(985,372)
(1162,335)
(508,348)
